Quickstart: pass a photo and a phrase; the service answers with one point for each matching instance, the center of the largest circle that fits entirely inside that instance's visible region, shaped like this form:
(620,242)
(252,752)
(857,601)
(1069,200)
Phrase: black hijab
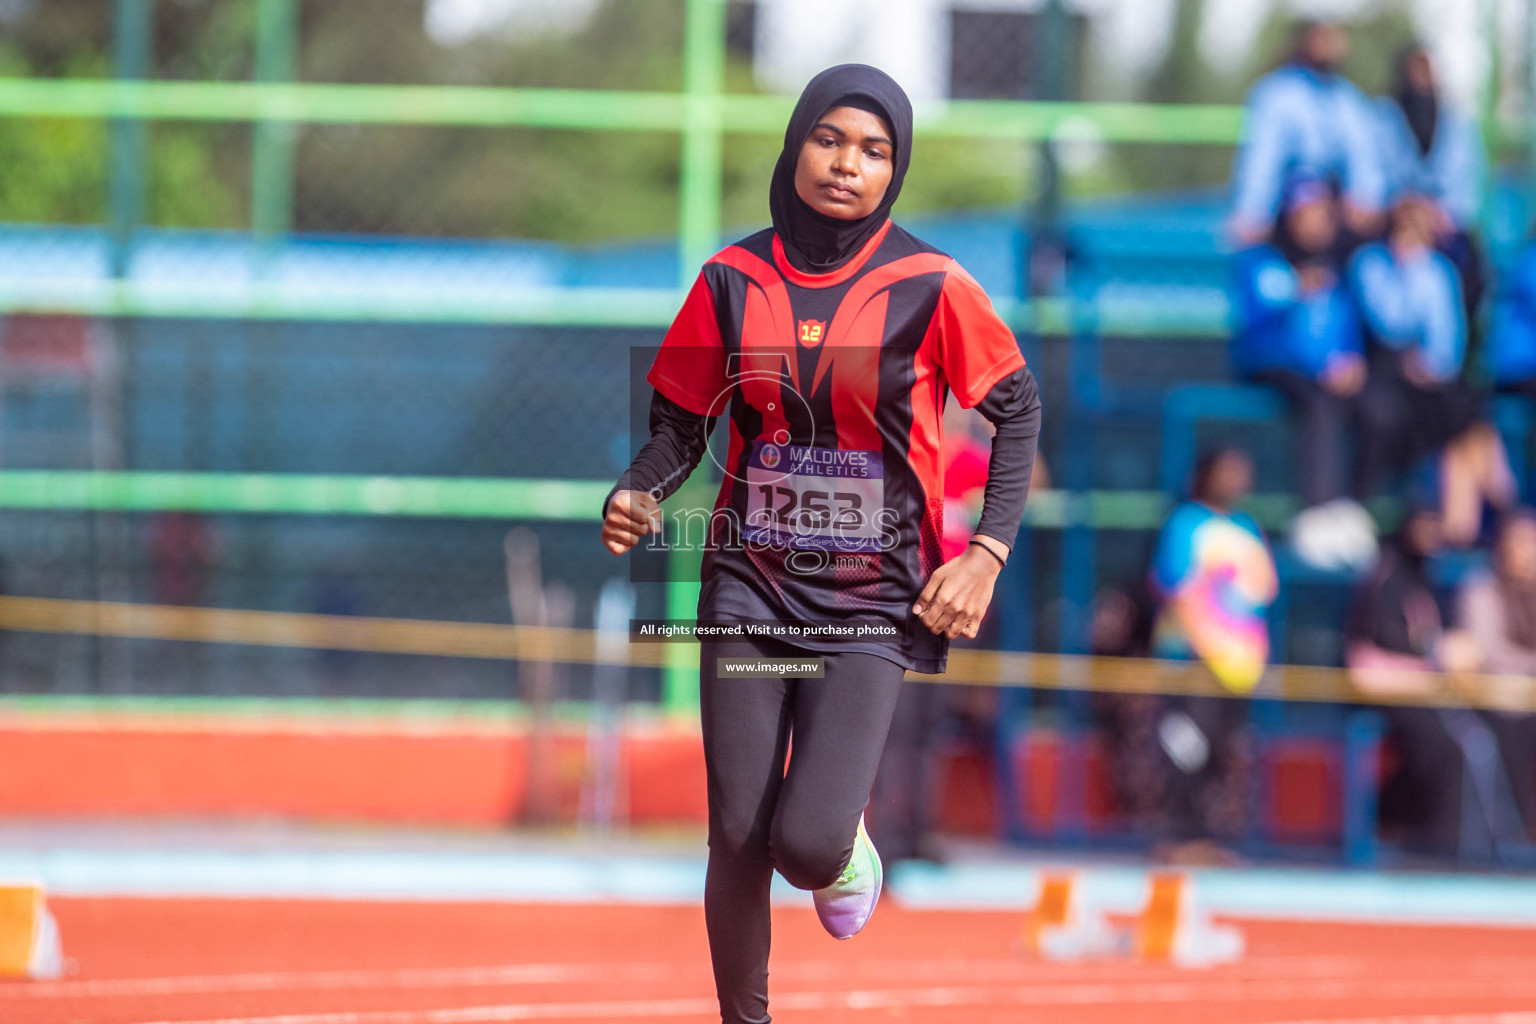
(1420,109)
(1331,257)
(813,242)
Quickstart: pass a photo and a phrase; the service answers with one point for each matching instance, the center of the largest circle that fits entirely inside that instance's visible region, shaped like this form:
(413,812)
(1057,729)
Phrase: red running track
(335,962)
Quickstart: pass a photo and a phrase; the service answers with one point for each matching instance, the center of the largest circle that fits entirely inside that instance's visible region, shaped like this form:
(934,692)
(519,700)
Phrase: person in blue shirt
(1414,402)
(1431,150)
(1510,354)
(1306,120)
(1296,327)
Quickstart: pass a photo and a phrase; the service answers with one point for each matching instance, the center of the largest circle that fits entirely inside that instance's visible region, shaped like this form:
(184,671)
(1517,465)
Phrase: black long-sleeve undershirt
(1013,407)
(679,438)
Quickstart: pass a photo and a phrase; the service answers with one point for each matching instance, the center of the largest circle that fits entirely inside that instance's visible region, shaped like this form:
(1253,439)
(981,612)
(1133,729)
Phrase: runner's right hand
(631,515)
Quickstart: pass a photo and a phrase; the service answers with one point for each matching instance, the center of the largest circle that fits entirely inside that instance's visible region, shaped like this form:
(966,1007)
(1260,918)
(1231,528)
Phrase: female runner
(834,338)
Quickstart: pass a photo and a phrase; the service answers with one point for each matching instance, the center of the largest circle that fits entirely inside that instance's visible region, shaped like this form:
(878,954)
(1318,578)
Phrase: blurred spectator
(1511,353)
(1215,577)
(1396,644)
(1298,329)
(1395,631)
(1498,608)
(1498,611)
(1414,402)
(1306,120)
(1122,628)
(1122,622)
(1431,151)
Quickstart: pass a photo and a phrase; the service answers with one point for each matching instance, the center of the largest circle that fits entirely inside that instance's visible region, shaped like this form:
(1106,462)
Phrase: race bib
(822,498)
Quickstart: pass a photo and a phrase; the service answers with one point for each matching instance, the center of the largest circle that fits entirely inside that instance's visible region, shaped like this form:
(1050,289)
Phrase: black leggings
(1323,418)
(1423,796)
(1401,423)
(1207,801)
(761,817)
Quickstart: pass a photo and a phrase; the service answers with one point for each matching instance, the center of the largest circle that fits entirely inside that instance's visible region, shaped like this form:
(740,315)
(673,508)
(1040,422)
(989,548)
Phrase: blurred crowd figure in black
(1136,769)
(1461,780)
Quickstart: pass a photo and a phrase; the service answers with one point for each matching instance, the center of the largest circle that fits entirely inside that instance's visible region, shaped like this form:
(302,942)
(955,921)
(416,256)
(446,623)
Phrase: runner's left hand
(956,596)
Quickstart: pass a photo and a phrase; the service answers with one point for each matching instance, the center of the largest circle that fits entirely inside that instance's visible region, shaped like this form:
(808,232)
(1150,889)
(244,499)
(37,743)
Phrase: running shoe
(845,905)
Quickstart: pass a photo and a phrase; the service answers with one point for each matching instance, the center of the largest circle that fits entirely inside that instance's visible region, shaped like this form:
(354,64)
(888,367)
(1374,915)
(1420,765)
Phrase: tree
(57,168)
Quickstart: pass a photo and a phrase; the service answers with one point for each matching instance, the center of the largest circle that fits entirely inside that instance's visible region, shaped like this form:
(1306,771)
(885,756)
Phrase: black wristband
(1000,559)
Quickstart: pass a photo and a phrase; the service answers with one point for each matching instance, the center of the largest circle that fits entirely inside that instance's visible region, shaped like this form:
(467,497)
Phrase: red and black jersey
(832,503)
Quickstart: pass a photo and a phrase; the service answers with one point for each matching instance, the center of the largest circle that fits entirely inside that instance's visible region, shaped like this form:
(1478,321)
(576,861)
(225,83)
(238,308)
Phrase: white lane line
(979,970)
(1110,993)
(1256,967)
(73,864)
(286,981)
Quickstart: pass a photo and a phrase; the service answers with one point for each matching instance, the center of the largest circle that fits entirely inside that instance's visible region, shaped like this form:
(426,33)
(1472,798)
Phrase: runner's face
(845,164)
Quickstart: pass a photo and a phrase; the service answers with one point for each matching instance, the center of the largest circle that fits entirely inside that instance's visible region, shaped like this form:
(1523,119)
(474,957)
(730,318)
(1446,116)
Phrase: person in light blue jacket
(1306,120)
(1296,327)
(1428,147)
(1415,402)
(1431,150)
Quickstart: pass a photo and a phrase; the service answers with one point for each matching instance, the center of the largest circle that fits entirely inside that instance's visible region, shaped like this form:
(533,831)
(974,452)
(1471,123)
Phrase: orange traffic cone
(1059,927)
(1173,928)
(29,936)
